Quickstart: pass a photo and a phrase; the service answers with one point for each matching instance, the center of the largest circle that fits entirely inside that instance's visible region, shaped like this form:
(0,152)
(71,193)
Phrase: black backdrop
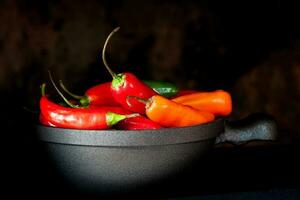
(248,29)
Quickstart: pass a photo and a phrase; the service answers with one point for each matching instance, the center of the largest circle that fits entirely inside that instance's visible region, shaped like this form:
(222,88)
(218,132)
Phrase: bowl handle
(256,126)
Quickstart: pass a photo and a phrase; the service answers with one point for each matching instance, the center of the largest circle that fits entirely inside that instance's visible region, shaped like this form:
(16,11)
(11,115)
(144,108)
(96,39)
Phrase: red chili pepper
(98,95)
(127,84)
(79,118)
(138,123)
(43,121)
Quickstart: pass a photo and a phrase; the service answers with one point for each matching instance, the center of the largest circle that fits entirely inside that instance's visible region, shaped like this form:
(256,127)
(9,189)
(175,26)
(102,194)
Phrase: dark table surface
(260,171)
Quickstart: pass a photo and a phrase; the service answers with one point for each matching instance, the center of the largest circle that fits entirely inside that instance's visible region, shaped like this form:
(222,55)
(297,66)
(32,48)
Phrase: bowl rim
(129,138)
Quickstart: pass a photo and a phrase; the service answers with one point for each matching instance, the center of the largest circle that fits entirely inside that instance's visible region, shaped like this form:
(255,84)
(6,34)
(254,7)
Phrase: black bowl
(95,160)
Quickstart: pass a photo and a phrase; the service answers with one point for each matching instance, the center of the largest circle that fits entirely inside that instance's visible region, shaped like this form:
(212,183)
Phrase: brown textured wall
(68,37)
(202,45)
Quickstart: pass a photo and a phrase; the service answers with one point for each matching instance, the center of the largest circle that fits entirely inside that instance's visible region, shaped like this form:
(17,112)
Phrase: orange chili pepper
(217,102)
(171,114)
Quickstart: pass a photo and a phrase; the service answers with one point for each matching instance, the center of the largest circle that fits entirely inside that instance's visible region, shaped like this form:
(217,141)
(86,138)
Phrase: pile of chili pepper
(129,103)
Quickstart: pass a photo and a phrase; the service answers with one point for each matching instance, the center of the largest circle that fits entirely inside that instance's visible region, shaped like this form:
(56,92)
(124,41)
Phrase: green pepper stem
(61,94)
(139,99)
(43,86)
(68,91)
(113,74)
(114,118)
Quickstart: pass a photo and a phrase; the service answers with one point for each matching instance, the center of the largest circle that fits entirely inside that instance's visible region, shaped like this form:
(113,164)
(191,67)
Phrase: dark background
(249,48)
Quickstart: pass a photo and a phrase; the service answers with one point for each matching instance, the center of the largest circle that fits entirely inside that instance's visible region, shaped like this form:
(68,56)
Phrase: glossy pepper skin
(127,84)
(98,95)
(218,102)
(78,118)
(44,121)
(138,123)
(171,114)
